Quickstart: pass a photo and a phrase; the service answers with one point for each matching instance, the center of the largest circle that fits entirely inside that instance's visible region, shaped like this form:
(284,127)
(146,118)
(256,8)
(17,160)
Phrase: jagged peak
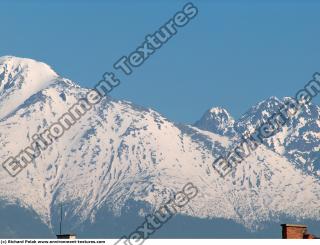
(218,113)
(217,120)
(218,110)
(271,101)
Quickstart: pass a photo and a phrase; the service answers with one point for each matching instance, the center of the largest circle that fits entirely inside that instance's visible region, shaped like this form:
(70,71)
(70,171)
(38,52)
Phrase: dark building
(66,236)
(292,231)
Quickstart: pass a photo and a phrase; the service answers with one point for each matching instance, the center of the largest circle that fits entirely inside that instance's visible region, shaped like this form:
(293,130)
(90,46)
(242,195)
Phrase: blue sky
(233,54)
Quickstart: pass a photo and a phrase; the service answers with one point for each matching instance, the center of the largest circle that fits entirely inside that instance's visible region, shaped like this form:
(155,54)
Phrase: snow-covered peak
(20,78)
(217,120)
(257,114)
(265,107)
(218,110)
(36,72)
(271,101)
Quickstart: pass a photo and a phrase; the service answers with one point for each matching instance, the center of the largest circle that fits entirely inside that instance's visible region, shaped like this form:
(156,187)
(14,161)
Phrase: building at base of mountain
(292,231)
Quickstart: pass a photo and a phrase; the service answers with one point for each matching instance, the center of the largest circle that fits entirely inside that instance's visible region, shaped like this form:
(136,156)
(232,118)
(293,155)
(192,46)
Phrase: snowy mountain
(298,141)
(119,153)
